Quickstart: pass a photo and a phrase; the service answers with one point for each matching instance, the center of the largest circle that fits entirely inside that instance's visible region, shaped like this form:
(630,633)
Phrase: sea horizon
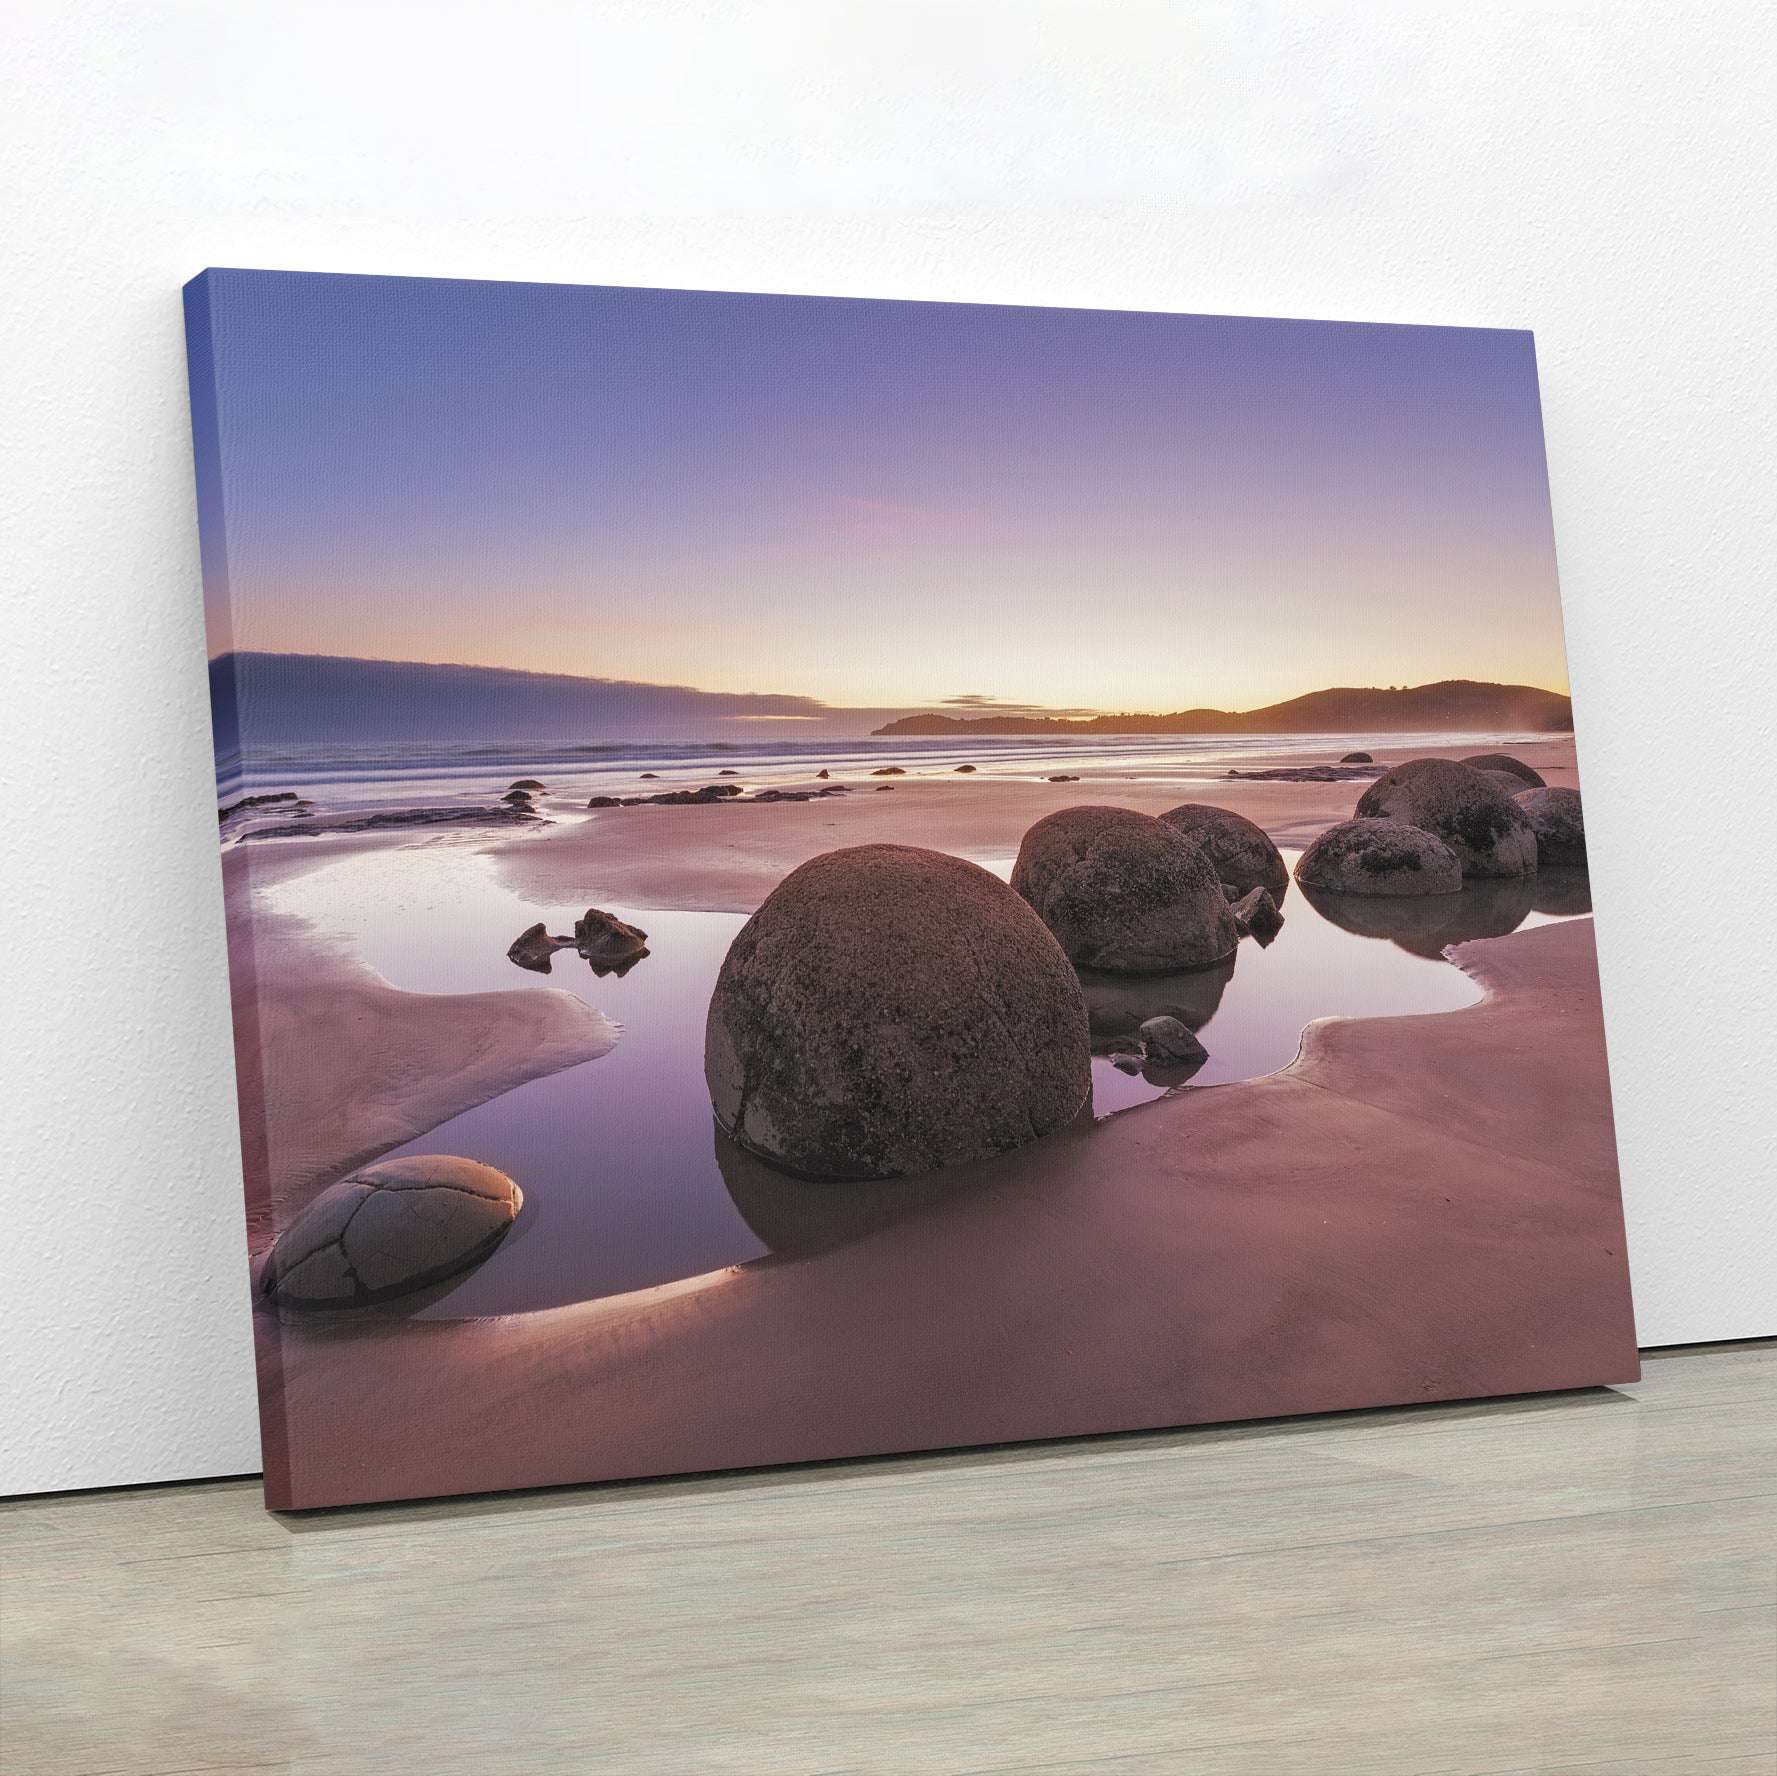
(376,773)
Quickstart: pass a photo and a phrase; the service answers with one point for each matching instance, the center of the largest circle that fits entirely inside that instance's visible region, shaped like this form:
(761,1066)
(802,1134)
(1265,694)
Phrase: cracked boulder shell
(1239,851)
(889,1011)
(390,1229)
(1124,892)
(1485,827)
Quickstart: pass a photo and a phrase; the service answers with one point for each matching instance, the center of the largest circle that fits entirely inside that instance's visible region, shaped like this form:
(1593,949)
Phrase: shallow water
(623,1174)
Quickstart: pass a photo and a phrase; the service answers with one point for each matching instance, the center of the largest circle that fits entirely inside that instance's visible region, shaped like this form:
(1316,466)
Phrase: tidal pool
(626,1181)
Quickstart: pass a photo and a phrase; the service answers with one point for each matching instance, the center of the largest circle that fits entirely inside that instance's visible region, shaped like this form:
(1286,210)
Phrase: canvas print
(812,877)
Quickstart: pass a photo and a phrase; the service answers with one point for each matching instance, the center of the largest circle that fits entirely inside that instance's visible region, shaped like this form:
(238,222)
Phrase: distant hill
(285,699)
(1453,705)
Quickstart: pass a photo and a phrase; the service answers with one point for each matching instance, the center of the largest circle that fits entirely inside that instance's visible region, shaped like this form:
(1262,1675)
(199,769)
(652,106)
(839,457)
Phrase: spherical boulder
(888,1011)
(390,1229)
(1484,826)
(1559,822)
(1503,761)
(1504,781)
(1379,857)
(1124,892)
(1240,852)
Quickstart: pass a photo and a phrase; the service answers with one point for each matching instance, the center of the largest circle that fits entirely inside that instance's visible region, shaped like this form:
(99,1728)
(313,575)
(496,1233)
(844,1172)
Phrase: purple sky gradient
(877,503)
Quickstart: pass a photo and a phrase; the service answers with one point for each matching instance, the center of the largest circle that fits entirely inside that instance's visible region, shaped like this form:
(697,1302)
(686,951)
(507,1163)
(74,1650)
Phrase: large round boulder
(1559,822)
(1240,852)
(1503,761)
(1487,830)
(1124,892)
(889,1011)
(390,1229)
(1379,857)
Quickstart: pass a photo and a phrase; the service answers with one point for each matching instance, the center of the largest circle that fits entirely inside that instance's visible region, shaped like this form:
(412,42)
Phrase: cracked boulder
(1256,916)
(1240,852)
(1558,819)
(889,1011)
(391,1229)
(1490,834)
(1124,892)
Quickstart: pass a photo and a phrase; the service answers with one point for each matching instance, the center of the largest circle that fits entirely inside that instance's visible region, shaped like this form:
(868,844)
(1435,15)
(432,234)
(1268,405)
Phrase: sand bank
(727,858)
(1419,1209)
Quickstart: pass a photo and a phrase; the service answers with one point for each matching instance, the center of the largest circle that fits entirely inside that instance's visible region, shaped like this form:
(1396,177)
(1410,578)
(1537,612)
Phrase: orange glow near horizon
(879,505)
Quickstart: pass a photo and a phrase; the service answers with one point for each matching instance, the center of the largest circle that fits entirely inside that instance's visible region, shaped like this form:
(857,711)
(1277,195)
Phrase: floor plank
(1583,1584)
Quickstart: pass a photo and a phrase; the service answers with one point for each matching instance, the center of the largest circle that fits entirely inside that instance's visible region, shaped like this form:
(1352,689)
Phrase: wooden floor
(1584,1583)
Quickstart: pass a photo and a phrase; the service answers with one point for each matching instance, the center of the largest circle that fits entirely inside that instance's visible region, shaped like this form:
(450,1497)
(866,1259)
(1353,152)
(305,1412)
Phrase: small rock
(1256,916)
(607,944)
(823,773)
(686,798)
(605,802)
(526,783)
(1169,1043)
(535,948)
(888,771)
(726,773)
(516,798)
(886,788)
(390,1229)
(499,815)
(1339,773)
(255,801)
(1357,758)
(1063,777)
(649,777)
(965,770)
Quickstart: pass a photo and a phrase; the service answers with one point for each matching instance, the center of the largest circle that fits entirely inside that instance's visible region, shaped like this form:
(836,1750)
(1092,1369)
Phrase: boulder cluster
(1430,825)
(890,1011)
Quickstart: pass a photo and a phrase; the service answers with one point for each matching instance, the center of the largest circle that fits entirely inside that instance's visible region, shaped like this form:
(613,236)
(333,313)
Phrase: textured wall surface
(1598,173)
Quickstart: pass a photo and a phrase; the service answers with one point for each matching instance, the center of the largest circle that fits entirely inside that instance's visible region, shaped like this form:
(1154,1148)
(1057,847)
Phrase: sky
(877,504)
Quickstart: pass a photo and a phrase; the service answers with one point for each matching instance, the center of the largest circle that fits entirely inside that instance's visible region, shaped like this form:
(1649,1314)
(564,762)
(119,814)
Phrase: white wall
(1599,172)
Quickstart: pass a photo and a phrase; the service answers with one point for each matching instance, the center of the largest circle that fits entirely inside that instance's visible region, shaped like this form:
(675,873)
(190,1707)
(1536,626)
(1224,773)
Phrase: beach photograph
(810,877)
